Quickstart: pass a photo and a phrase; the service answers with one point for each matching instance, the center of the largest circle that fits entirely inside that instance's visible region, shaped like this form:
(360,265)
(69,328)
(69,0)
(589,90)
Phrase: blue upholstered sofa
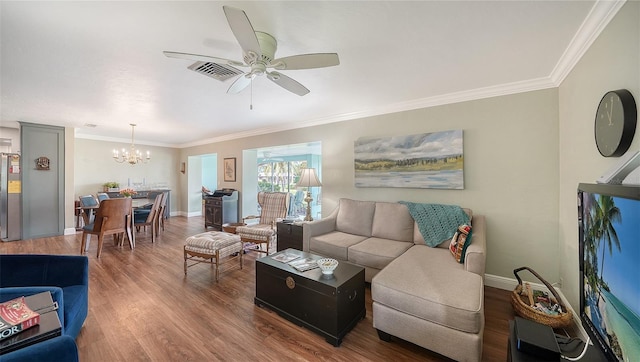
(67,278)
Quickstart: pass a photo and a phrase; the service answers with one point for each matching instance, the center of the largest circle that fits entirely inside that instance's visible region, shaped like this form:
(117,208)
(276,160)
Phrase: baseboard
(500,282)
(511,283)
(69,231)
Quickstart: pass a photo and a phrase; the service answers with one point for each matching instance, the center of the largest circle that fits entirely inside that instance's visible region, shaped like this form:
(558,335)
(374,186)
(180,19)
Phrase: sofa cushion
(377,253)
(392,221)
(429,284)
(334,244)
(355,217)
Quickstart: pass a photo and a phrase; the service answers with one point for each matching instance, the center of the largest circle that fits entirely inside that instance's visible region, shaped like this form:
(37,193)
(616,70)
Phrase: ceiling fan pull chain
(251,97)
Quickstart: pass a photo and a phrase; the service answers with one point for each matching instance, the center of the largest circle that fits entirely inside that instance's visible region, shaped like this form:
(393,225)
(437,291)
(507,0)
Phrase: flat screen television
(609,231)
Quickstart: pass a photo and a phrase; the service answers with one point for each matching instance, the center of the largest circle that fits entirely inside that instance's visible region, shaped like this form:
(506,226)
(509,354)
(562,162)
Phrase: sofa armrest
(61,348)
(317,227)
(43,270)
(476,255)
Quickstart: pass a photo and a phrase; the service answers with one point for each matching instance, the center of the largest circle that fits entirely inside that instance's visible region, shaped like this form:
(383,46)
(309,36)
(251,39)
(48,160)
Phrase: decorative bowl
(327,265)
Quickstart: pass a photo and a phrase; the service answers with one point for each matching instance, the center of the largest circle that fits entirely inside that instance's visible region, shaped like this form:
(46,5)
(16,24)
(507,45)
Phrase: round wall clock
(615,123)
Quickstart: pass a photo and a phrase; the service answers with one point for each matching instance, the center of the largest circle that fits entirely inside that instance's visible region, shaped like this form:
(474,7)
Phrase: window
(279,176)
(277,169)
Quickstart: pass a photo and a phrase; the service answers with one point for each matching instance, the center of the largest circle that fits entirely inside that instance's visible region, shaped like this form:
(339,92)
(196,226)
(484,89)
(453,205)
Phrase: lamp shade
(308,178)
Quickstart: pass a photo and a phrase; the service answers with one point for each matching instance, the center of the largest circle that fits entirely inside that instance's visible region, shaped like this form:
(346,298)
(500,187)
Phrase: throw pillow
(459,243)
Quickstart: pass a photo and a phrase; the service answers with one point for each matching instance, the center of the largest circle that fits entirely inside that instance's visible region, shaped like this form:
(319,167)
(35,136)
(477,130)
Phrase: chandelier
(132,156)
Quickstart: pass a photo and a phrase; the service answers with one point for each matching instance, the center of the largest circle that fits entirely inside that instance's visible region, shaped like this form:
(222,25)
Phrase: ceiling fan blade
(204,58)
(239,84)
(242,30)
(306,61)
(287,83)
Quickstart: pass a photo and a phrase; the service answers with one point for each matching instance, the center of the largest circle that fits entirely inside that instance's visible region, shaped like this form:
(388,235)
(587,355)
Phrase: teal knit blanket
(437,222)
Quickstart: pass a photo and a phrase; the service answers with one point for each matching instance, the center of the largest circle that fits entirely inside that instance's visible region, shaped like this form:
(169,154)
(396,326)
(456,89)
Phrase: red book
(15,317)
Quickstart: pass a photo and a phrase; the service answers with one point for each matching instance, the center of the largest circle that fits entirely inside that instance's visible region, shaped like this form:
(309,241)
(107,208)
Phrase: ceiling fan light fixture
(258,51)
(273,75)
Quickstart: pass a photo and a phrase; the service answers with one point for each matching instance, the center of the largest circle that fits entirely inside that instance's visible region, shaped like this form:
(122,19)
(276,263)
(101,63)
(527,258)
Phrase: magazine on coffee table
(285,257)
(304,264)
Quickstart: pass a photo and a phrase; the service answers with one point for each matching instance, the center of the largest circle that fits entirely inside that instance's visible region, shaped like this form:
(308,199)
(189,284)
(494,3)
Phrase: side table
(289,236)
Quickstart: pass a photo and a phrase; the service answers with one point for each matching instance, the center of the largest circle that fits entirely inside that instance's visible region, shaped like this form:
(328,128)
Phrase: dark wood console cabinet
(220,209)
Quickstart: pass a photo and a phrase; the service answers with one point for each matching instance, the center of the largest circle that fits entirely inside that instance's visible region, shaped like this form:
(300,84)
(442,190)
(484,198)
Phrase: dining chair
(102,196)
(162,211)
(148,217)
(273,206)
(113,217)
(87,204)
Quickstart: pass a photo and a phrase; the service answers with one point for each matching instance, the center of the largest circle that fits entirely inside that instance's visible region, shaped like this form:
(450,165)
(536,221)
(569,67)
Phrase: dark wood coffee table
(329,305)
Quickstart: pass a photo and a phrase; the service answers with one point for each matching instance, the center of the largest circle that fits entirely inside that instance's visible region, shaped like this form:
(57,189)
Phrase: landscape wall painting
(427,160)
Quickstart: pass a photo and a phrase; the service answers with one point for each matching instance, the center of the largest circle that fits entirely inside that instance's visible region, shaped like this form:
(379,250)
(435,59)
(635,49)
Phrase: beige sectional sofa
(420,293)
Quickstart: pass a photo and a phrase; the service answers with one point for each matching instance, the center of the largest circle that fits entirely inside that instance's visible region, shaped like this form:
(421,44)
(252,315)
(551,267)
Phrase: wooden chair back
(152,218)
(111,216)
(161,211)
(153,214)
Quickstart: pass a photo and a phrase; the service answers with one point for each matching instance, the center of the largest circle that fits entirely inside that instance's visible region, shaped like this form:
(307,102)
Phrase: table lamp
(308,179)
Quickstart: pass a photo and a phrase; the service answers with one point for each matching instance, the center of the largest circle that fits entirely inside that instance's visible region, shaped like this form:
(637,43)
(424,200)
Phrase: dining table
(138,203)
(88,211)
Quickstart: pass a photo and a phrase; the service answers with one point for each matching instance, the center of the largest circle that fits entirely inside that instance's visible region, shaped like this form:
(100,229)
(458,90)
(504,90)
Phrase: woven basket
(524,310)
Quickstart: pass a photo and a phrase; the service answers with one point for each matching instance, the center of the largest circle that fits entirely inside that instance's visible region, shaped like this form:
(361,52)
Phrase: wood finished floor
(143,308)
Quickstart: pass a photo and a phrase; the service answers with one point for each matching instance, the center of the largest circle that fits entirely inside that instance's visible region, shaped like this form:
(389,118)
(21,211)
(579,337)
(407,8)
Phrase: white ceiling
(77,63)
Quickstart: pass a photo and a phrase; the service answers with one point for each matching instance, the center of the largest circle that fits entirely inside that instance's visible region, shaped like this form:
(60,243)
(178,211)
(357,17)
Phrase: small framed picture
(230,169)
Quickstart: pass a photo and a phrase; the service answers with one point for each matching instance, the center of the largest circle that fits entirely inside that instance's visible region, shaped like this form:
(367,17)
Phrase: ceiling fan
(258,50)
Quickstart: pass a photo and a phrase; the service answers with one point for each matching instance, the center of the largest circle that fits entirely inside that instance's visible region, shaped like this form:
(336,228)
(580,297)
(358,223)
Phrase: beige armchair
(273,206)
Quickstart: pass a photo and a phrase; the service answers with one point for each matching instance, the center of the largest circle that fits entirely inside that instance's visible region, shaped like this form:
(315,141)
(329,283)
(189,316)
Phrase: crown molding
(121,140)
(456,97)
(596,21)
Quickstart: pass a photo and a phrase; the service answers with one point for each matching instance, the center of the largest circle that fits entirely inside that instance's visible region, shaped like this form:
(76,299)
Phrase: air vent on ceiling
(214,70)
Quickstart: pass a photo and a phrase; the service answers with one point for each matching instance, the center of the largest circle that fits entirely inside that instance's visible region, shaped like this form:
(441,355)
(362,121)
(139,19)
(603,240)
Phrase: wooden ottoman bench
(213,247)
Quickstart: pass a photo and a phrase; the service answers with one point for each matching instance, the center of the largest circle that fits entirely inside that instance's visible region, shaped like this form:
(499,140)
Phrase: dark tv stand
(513,355)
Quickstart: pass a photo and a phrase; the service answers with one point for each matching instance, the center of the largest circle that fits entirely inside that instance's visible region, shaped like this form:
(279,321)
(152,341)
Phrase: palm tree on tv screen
(606,213)
(590,244)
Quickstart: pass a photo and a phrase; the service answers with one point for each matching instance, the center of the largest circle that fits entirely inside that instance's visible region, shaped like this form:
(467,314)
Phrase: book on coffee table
(285,257)
(16,316)
(304,264)
(48,327)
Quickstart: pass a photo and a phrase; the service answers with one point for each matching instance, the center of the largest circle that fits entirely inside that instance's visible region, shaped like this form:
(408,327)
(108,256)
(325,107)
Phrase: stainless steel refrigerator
(11,197)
